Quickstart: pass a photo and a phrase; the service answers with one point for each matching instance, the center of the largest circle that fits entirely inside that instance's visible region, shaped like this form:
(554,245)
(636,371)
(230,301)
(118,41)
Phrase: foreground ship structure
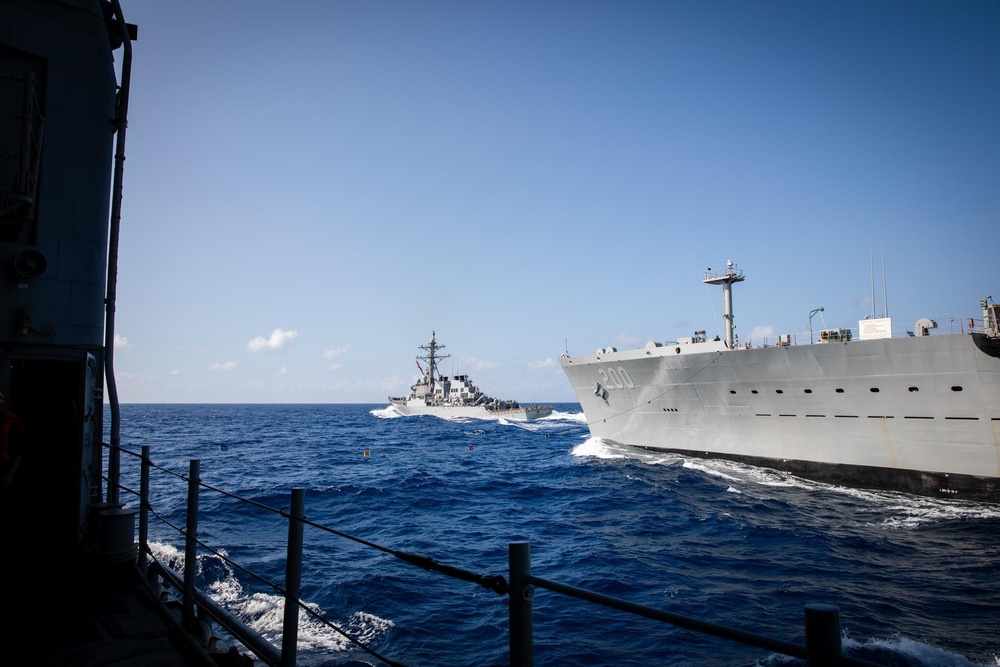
(69,558)
(918,413)
(62,115)
(456,396)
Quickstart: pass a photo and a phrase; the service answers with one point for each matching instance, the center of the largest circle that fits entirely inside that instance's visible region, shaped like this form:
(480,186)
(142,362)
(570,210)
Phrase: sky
(314,189)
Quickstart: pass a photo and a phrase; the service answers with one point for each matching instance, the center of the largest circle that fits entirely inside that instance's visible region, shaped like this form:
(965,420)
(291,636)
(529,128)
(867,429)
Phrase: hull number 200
(615,378)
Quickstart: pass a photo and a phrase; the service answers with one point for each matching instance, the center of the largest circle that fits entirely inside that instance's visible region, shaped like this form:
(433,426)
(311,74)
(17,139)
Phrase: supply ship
(918,413)
(457,396)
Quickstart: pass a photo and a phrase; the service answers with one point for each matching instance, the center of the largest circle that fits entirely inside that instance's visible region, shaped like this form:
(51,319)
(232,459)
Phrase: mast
(871,261)
(731,275)
(885,289)
(432,358)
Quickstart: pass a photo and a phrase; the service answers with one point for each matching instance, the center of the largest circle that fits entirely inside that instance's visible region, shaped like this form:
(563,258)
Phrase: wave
(264,612)
(892,651)
(896,510)
(598,448)
(388,412)
(889,651)
(558,415)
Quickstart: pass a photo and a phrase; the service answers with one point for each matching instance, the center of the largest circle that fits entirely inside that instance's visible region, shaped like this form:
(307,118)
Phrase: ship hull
(918,414)
(524,413)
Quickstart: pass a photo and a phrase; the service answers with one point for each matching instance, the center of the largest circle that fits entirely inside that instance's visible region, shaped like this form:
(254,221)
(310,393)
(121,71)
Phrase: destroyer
(457,396)
(918,413)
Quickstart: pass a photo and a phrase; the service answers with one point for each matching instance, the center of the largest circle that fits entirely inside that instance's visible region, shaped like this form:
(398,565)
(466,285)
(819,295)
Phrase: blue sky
(312,188)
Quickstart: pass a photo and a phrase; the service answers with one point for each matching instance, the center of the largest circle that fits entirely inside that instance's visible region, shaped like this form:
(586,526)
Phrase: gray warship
(457,396)
(917,413)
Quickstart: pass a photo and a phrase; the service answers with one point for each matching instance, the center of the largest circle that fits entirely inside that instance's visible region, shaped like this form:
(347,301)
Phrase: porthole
(778,391)
(839,390)
(874,390)
(956,388)
(732,391)
(753,391)
(914,390)
(807,391)
(677,350)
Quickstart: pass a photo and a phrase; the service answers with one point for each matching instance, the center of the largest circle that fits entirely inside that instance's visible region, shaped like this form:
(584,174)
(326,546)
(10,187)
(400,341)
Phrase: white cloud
(225,366)
(625,340)
(134,379)
(176,371)
(278,341)
(758,335)
(482,364)
(282,371)
(388,385)
(540,365)
(331,354)
(122,342)
(333,367)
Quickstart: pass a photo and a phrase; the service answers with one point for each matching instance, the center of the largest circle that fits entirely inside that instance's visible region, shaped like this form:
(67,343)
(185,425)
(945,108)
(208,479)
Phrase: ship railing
(899,330)
(822,648)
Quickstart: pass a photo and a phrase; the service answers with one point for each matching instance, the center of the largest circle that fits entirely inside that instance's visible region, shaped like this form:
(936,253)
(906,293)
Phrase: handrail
(823,644)
(900,329)
(822,621)
(191,597)
(261,647)
(703,627)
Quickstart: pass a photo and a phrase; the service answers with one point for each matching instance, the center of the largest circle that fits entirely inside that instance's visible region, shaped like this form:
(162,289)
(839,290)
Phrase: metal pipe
(704,627)
(114,454)
(23,181)
(811,313)
(727,312)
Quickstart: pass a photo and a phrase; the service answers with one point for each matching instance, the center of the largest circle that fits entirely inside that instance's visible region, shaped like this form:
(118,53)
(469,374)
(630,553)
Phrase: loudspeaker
(30,263)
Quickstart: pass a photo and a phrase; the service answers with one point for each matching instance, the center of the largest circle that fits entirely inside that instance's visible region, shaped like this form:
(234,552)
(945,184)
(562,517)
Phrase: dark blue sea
(917,581)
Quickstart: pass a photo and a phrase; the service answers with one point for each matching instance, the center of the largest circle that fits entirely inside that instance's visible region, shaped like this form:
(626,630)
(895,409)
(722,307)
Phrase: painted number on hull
(616,378)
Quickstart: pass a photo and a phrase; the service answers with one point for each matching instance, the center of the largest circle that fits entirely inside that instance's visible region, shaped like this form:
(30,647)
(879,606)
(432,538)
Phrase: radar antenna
(432,358)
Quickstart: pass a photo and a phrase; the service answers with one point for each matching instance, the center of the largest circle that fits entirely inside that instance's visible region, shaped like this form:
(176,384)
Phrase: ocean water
(917,581)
